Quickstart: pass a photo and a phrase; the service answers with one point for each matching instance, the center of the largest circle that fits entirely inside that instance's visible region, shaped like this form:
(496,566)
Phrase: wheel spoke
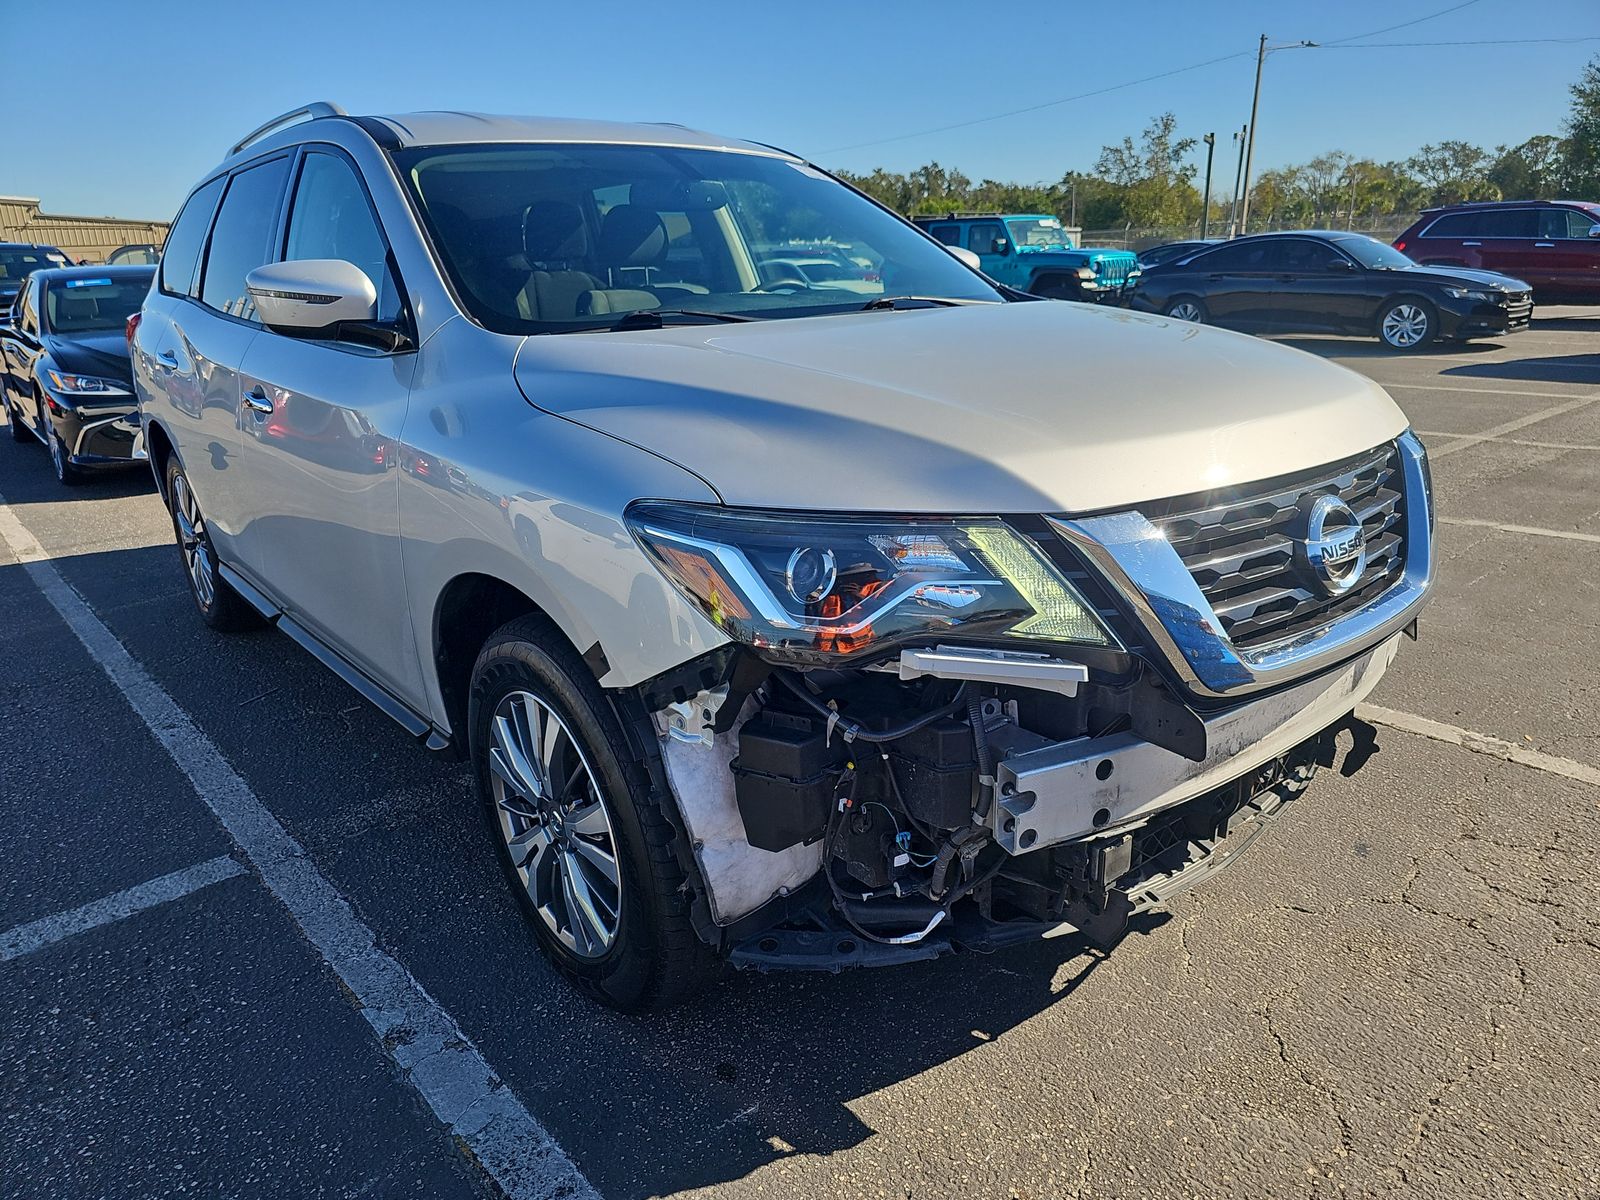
(578,927)
(529,848)
(598,856)
(524,727)
(584,911)
(520,774)
(589,819)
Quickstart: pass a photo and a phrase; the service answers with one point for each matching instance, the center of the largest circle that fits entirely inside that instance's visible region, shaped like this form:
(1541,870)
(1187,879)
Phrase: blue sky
(130,102)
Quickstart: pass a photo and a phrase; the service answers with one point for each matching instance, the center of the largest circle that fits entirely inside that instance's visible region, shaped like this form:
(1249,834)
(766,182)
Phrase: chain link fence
(1129,237)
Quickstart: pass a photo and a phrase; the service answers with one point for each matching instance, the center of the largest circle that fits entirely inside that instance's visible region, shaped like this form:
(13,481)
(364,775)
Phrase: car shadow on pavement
(1354,347)
(1562,368)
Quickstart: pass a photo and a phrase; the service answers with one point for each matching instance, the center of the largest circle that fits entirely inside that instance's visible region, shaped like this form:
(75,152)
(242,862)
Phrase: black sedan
(1321,282)
(20,259)
(65,374)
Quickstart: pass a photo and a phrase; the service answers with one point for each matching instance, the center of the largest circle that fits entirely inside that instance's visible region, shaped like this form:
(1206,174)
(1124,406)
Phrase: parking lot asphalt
(1394,994)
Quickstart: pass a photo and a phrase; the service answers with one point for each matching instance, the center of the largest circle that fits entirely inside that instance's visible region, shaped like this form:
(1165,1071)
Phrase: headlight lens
(1085,272)
(1456,293)
(86,384)
(807,588)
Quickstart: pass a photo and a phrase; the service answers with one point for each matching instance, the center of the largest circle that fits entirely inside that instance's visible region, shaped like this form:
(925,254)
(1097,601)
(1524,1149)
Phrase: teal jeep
(1034,253)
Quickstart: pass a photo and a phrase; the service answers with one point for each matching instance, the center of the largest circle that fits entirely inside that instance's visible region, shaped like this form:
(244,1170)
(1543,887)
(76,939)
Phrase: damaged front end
(930,733)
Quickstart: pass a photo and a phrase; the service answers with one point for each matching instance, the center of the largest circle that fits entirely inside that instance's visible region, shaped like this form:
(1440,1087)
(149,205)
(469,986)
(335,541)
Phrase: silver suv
(785,623)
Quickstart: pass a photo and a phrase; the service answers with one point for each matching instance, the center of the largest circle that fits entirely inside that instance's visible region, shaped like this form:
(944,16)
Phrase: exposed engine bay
(869,816)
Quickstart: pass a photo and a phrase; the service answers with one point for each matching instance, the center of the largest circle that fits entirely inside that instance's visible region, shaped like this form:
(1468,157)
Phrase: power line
(901,137)
(1338,43)
(1403,24)
(1551,41)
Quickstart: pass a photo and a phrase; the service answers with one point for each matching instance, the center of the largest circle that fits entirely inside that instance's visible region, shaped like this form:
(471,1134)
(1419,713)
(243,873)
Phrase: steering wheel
(773,285)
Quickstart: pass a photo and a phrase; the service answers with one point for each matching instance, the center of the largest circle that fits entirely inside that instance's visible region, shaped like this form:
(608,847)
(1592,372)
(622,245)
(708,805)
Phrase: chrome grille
(1240,546)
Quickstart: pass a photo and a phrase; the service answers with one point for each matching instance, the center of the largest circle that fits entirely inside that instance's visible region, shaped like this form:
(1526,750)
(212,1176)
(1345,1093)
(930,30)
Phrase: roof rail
(311,111)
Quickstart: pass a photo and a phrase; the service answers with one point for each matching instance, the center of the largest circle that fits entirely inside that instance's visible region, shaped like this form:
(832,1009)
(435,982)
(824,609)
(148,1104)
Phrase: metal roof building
(91,238)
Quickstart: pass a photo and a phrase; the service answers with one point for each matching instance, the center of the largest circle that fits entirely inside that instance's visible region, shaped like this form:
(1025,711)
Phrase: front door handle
(1546,245)
(256,401)
(1472,243)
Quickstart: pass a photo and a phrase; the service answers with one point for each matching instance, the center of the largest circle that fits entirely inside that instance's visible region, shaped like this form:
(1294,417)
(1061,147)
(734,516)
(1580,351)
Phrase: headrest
(632,236)
(77,308)
(554,231)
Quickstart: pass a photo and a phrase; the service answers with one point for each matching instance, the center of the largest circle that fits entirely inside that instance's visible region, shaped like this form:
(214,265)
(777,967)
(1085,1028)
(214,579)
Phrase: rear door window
(1508,223)
(243,237)
(950,235)
(1564,223)
(332,218)
(1242,256)
(182,254)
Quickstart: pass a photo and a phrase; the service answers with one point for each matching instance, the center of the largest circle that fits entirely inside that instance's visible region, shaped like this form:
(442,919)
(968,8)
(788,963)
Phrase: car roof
(1468,205)
(451,128)
(30,246)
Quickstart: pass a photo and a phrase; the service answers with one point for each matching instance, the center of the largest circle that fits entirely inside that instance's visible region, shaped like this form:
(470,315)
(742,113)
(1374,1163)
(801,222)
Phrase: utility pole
(1250,140)
(1238,174)
(1205,205)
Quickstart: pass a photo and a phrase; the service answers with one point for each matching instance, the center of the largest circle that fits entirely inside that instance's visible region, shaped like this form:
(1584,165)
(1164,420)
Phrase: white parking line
(1570,535)
(1438,433)
(430,1048)
(1488,391)
(1479,743)
(1469,440)
(46,931)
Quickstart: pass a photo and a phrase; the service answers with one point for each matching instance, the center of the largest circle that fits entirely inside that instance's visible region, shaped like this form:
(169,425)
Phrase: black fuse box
(784,778)
(937,771)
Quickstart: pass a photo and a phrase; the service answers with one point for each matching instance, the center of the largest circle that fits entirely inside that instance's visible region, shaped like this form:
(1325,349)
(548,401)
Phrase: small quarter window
(242,239)
(181,256)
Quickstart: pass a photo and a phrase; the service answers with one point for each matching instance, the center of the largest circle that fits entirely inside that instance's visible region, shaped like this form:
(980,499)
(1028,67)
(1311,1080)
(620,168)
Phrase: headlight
(86,384)
(1456,293)
(1085,272)
(806,588)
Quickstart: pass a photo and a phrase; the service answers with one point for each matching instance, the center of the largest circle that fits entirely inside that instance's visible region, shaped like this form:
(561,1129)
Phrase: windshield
(94,304)
(552,238)
(1375,255)
(1038,231)
(17,261)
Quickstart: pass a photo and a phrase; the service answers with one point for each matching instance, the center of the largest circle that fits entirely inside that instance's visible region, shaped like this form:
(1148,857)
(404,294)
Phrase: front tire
(1056,287)
(220,606)
(582,838)
(66,474)
(19,432)
(1186,308)
(1407,324)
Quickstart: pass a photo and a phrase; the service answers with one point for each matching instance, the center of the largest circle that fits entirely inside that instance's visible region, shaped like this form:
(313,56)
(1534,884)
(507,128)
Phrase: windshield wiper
(656,318)
(891,302)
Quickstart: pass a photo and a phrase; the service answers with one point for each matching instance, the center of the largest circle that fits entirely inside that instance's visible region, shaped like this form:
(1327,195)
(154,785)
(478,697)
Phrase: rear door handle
(256,401)
(1472,243)
(1546,245)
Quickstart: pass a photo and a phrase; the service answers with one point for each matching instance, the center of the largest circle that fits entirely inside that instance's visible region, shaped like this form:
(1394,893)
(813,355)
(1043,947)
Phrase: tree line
(1151,181)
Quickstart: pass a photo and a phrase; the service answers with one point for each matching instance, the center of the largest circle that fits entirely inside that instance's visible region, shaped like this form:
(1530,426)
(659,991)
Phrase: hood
(1491,280)
(994,408)
(103,354)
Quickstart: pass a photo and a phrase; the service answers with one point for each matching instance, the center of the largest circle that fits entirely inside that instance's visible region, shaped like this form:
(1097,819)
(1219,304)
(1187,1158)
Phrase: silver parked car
(784,625)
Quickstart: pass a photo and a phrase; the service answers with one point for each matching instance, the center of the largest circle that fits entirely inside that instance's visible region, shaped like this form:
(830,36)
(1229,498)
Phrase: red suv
(1554,245)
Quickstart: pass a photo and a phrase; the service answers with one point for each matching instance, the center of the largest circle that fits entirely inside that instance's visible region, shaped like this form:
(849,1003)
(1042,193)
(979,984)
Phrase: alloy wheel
(1405,325)
(555,823)
(1185,310)
(192,540)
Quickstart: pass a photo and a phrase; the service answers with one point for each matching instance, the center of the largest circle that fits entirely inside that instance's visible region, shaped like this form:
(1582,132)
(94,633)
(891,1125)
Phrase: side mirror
(1001,246)
(966,256)
(311,296)
(1341,264)
(1594,231)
